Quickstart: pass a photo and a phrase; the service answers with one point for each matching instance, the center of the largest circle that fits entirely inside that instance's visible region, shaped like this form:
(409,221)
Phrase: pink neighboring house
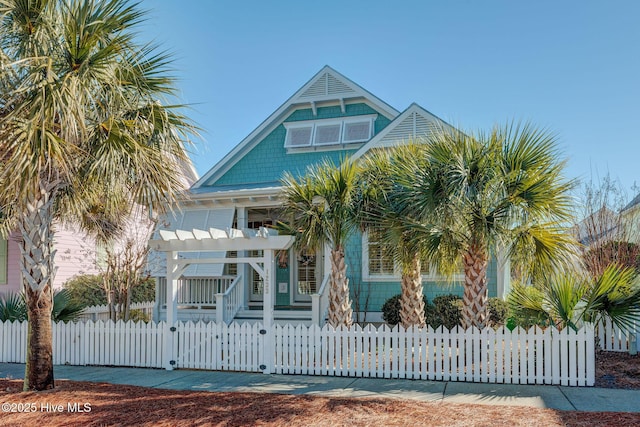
(76,252)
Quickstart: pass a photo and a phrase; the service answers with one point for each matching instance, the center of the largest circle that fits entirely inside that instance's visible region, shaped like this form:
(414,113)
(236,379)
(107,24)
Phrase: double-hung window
(377,257)
(378,263)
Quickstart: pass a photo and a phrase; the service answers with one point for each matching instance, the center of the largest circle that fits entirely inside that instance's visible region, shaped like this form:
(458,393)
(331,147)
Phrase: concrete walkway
(555,397)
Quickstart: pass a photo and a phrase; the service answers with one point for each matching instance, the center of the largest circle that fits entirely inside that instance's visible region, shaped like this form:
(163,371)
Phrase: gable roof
(326,86)
(413,122)
(632,203)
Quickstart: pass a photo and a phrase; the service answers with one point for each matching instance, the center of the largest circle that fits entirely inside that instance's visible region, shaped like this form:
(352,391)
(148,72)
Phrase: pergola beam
(222,244)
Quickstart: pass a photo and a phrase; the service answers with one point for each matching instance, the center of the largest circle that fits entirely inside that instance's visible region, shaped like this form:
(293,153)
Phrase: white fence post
(267,311)
(172,309)
(220,308)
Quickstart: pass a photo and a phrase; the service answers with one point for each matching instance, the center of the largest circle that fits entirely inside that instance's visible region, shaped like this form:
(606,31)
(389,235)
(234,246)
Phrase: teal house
(330,116)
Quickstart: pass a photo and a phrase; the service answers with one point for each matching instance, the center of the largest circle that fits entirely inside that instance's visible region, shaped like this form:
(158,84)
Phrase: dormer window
(357,132)
(329,132)
(299,136)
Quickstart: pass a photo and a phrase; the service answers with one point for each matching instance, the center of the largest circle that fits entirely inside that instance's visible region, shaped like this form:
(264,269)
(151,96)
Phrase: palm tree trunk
(412,301)
(38,271)
(340,311)
(474,310)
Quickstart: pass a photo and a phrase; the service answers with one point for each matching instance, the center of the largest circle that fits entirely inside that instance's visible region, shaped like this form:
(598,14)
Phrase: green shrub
(445,311)
(448,311)
(145,291)
(391,309)
(498,311)
(87,290)
(138,315)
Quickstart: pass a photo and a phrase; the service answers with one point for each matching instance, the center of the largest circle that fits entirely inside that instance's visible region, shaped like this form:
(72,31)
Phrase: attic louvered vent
(329,132)
(326,85)
(319,88)
(423,126)
(335,86)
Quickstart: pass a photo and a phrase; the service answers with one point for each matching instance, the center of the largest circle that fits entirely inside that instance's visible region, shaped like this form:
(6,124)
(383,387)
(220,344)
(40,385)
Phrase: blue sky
(570,66)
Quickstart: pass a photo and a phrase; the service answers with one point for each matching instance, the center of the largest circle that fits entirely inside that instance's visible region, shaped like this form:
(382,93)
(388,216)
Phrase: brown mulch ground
(114,405)
(117,405)
(617,370)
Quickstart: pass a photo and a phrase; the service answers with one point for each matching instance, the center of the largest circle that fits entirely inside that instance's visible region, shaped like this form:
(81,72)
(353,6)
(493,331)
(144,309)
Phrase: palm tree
(84,132)
(319,209)
(380,213)
(471,194)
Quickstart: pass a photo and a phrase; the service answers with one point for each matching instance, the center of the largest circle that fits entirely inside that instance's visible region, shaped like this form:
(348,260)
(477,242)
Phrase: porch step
(280,317)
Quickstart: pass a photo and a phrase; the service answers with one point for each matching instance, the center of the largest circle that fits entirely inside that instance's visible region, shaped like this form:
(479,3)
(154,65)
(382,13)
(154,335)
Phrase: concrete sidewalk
(555,397)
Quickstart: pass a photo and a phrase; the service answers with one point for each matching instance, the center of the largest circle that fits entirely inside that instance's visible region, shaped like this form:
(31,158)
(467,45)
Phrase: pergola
(173,243)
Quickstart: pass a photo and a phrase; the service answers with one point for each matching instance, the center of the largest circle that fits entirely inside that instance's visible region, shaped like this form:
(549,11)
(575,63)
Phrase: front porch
(199,298)
(262,287)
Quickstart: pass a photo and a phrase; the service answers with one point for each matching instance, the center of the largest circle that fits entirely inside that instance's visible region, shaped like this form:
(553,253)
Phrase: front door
(255,282)
(307,275)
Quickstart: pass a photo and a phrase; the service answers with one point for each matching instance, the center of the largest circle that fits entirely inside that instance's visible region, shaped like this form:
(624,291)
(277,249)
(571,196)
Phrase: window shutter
(327,134)
(357,131)
(299,137)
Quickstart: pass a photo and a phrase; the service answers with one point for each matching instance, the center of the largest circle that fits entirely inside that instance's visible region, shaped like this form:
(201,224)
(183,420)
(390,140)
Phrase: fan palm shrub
(14,308)
(572,299)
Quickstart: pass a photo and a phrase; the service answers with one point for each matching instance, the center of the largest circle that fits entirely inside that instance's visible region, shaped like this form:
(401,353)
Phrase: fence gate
(218,346)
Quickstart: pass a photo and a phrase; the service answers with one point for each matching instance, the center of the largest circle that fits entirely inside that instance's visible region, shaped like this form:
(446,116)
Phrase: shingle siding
(267,161)
(378,292)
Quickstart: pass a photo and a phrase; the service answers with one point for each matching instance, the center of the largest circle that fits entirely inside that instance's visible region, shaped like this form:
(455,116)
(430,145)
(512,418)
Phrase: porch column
(504,274)
(244,269)
(172,309)
(269,293)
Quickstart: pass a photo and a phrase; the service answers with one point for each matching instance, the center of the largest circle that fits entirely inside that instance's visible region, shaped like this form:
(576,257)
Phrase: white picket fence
(612,338)
(91,343)
(219,347)
(101,312)
(499,356)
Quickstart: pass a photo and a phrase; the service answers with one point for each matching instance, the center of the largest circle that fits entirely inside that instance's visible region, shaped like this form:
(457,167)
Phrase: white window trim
(319,144)
(371,118)
(397,276)
(368,276)
(299,125)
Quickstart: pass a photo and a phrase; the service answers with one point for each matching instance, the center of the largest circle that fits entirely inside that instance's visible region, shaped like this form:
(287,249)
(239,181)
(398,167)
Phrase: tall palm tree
(473,193)
(319,209)
(83,132)
(381,213)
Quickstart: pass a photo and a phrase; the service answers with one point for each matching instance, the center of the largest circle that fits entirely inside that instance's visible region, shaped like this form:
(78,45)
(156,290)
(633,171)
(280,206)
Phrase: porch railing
(195,291)
(229,302)
(320,303)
